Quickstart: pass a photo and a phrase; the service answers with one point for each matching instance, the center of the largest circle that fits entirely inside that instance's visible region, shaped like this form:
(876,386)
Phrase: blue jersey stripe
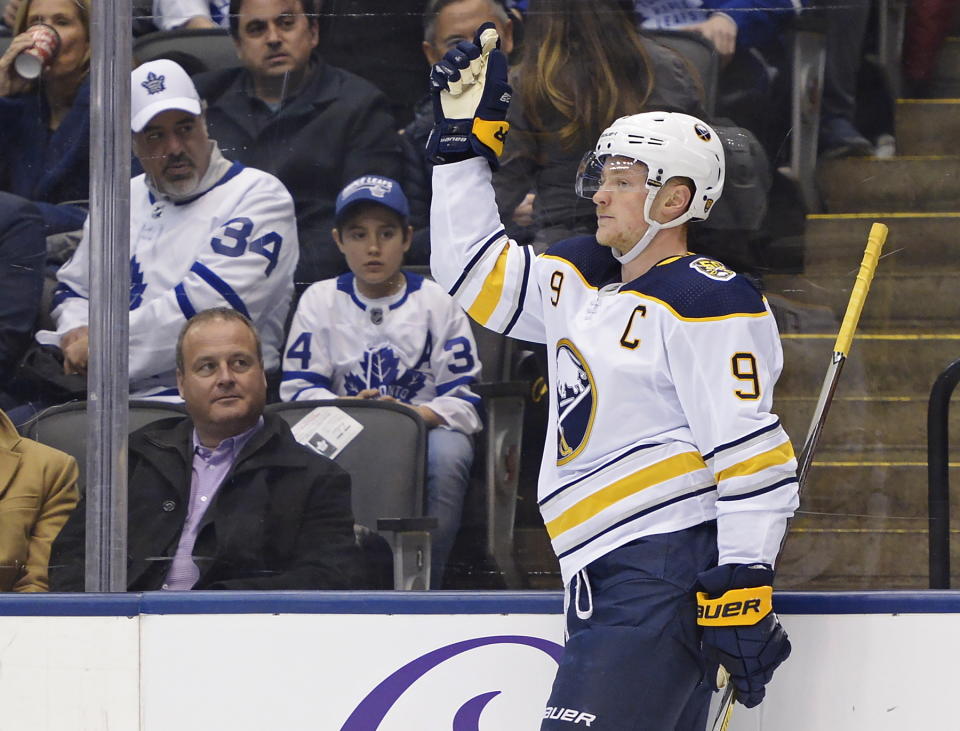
(225,290)
(759,491)
(62,293)
(473,262)
(186,307)
(741,440)
(523,291)
(309,376)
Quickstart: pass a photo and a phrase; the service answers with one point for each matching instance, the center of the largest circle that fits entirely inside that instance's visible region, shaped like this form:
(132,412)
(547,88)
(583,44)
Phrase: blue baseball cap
(375,189)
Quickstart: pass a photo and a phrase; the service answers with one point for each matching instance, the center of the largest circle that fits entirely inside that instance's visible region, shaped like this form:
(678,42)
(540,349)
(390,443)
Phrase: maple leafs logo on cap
(154,84)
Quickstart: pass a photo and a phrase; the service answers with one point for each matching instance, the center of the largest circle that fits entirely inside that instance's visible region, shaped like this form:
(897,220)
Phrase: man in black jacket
(225,499)
(287,111)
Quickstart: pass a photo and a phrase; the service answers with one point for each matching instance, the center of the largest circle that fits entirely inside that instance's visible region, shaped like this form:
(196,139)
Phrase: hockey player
(381,333)
(204,232)
(666,482)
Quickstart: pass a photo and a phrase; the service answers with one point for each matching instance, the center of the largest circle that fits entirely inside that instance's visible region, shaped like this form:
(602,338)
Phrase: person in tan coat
(38,491)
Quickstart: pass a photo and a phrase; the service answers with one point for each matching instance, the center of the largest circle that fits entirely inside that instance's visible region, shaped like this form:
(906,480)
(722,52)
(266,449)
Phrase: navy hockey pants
(632,661)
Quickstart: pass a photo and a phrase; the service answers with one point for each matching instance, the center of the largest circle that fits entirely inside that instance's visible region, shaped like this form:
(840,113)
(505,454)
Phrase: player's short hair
(311,8)
(216,313)
(435,7)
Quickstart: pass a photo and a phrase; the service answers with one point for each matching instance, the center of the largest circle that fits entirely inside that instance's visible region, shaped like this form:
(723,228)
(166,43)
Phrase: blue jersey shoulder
(594,262)
(699,287)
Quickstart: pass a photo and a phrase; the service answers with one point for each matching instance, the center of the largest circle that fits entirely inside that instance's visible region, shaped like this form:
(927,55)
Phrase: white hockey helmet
(671,145)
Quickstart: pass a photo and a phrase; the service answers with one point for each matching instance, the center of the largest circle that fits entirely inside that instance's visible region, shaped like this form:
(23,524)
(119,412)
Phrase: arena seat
(700,53)
(65,427)
(387,465)
(196,49)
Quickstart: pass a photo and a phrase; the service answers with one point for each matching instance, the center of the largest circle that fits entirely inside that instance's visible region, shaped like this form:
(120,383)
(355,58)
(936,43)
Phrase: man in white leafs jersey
(204,232)
(378,332)
(666,481)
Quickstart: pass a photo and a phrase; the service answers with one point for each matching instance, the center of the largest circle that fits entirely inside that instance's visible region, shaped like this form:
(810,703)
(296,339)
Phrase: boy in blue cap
(378,332)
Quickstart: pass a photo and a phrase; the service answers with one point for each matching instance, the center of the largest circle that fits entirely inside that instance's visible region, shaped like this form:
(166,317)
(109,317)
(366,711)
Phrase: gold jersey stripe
(492,290)
(668,469)
(771,458)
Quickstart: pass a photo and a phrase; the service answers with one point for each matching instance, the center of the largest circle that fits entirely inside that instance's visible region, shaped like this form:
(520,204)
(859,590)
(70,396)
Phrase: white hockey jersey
(660,388)
(233,246)
(169,14)
(415,345)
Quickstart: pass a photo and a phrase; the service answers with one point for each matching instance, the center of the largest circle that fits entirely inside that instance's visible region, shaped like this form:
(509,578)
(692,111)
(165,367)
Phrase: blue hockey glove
(470,100)
(740,630)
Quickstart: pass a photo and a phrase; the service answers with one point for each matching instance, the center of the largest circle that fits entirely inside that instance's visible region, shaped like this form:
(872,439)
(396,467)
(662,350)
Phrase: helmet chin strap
(653,228)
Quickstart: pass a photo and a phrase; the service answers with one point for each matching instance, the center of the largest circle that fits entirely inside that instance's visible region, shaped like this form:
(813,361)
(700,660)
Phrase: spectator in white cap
(204,232)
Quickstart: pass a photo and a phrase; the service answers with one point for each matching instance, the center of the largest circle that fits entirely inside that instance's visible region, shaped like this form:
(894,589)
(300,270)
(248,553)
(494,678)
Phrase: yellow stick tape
(878,235)
(734,608)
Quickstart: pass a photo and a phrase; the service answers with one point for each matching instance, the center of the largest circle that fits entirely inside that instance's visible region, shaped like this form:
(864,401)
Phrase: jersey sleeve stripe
(775,457)
(443,388)
(760,491)
(525,278)
(636,516)
(224,289)
(63,292)
(753,435)
(668,469)
(491,291)
(186,306)
(473,261)
(296,396)
(314,378)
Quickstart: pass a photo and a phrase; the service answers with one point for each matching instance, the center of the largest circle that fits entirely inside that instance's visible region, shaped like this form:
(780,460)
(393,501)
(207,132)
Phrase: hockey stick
(875,241)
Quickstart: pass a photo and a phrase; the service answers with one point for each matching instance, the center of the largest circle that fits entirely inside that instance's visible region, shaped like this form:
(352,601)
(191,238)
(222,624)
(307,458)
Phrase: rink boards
(432,661)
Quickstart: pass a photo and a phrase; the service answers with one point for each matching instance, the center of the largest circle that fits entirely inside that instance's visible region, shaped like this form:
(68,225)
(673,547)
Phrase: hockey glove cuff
(740,630)
(471,96)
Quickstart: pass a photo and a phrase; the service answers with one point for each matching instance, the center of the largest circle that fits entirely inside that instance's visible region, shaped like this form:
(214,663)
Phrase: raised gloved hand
(740,630)
(470,100)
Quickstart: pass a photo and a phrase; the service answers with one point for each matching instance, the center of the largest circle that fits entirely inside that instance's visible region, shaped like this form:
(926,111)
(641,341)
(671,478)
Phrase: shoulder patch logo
(576,402)
(713,269)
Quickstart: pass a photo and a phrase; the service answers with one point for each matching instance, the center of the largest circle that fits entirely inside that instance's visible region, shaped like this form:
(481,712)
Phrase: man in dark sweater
(313,125)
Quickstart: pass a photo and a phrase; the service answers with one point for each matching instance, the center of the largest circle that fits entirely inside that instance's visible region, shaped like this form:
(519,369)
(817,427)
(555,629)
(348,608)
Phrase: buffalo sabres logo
(154,84)
(713,269)
(576,402)
(702,132)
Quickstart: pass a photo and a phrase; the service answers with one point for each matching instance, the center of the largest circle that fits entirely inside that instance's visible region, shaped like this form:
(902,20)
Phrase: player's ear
(180,382)
(678,200)
(407,238)
(336,238)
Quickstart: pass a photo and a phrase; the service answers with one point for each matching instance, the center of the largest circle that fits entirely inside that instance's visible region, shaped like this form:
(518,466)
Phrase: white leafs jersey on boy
(661,388)
(415,346)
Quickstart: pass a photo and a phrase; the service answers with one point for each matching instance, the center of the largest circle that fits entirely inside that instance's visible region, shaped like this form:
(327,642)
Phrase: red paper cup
(46,45)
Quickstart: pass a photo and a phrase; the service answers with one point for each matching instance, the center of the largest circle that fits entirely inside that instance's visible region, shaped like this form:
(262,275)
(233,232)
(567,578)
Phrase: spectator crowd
(279,227)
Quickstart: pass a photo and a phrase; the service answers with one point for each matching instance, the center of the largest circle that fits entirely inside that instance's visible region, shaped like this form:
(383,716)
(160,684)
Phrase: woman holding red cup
(44,153)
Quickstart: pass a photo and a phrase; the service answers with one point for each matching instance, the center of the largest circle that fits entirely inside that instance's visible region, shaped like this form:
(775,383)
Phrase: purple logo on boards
(374,708)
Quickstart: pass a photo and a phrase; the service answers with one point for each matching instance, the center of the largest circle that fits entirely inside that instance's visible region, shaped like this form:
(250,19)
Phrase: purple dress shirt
(210,466)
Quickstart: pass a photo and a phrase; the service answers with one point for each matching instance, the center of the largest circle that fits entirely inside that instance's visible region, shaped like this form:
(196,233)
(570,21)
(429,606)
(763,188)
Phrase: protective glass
(610,173)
